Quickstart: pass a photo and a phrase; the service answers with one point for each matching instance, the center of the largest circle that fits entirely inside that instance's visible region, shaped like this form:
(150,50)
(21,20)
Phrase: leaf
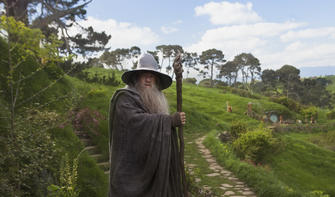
(53,188)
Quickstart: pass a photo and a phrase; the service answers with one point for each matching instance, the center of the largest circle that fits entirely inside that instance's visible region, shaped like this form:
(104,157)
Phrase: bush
(190,80)
(244,93)
(289,103)
(254,145)
(331,115)
(237,129)
(27,167)
(310,113)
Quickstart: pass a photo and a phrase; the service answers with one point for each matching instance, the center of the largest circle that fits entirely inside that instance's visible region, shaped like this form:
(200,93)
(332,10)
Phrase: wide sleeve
(141,149)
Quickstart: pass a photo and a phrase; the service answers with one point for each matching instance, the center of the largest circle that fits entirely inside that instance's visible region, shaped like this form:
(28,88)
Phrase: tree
(190,60)
(62,14)
(134,53)
(247,63)
(29,72)
(315,92)
(229,71)
(269,78)
(211,58)
(169,52)
(24,45)
(289,77)
(115,58)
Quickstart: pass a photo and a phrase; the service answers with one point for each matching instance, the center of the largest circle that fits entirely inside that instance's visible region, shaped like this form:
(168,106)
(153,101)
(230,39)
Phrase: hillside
(206,111)
(300,157)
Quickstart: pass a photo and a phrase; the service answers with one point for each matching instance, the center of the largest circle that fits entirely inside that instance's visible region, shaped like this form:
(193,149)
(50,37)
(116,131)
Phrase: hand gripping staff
(178,70)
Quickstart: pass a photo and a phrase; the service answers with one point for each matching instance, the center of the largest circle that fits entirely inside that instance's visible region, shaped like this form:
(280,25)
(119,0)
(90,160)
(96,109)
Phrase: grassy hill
(303,163)
(206,111)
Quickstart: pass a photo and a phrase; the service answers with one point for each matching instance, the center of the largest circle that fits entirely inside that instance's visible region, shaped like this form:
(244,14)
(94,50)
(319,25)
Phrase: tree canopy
(56,17)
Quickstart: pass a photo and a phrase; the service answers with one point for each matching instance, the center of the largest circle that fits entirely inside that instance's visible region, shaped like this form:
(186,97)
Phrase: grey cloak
(144,156)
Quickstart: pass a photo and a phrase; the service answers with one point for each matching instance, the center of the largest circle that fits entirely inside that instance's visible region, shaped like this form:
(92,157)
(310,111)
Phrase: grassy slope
(206,110)
(305,166)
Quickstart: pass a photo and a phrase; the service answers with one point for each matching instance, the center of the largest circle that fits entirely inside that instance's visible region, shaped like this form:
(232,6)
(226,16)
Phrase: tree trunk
(212,83)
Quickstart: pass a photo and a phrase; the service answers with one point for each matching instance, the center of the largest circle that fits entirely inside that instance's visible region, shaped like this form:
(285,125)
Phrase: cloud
(124,35)
(168,30)
(177,22)
(309,34)
(274,44)
(242,38)
(227,13)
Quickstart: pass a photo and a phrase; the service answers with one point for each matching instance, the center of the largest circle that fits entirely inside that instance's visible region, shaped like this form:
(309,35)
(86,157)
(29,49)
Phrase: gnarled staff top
(177,66)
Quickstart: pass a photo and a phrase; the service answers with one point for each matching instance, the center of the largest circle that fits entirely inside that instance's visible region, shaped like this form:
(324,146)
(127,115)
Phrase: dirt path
(231,185)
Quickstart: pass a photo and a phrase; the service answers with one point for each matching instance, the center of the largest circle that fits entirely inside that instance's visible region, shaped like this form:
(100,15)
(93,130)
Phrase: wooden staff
(178,70)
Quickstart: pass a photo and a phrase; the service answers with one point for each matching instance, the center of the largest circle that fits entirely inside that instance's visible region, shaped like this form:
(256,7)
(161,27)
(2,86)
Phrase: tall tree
(229,71)
(190,60)
(248,64)
(211,58)
(56,17)
(134,53)
(116,58)
(169,52)
(269,78)
(289,77)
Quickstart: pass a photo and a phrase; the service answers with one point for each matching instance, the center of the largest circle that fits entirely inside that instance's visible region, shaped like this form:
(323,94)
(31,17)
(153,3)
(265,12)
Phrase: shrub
(190,80)
(237,129)
(289,103)
(331,115)
(244,93)
(254,145)
(310,112)
(28,165)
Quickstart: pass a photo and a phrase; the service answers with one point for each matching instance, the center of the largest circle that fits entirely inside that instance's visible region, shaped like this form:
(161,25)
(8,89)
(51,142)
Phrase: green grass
(305,166)
(206,110)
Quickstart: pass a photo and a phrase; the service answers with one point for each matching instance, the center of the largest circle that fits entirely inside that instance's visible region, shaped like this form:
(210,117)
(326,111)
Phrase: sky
(295,32)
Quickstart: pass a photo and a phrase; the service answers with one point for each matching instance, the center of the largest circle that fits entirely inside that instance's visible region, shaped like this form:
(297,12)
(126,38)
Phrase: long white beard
(153,99)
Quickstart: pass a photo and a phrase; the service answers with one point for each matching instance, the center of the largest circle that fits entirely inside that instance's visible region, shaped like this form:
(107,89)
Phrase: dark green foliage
(229,70)
(28,155)
(310,114)
(209,59)
(289,103)
(331,115)
(315,92)
(58,13)
(110,79)
(254,145)
(248,64)
(237,128)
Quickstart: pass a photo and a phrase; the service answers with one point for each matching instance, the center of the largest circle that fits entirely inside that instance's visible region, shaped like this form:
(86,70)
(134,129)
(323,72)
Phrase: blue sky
(295,32)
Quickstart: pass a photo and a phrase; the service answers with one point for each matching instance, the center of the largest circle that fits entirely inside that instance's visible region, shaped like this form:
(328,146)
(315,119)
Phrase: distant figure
(249,110)
(281,119)
(144,153)
(229,107)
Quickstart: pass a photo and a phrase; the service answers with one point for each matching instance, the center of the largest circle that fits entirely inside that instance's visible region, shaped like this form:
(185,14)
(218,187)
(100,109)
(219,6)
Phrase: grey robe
(144,152)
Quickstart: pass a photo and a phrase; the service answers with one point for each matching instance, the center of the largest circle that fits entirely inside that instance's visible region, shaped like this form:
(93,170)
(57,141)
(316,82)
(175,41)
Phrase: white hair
(153,99)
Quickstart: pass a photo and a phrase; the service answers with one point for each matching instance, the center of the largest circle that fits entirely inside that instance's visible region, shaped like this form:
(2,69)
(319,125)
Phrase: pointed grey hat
(147,62)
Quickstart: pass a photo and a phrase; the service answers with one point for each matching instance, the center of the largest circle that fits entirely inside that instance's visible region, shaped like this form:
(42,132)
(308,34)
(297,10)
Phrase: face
(147,80)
